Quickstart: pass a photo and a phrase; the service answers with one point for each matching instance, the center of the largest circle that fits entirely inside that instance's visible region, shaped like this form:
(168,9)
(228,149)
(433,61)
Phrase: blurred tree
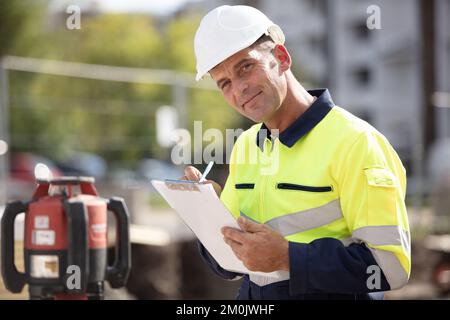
(205,105)
(56,116)
(13,17)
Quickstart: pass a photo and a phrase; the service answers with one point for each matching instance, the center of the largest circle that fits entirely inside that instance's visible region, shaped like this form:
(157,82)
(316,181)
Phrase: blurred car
(145,170)
(148,169)
(22,166)
(22,180)
(84,164)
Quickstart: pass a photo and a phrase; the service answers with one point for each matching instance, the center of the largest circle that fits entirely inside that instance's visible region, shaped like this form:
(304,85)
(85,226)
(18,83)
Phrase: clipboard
(203,212)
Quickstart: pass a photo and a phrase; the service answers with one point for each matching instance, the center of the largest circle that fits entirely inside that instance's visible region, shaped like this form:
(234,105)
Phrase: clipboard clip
(183,185)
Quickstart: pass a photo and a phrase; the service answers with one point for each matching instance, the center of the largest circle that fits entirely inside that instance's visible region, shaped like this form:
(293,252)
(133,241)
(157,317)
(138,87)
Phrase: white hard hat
(228,29)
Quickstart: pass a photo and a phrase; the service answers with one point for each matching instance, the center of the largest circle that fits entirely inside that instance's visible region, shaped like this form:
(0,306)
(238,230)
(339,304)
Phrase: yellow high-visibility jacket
(334,187)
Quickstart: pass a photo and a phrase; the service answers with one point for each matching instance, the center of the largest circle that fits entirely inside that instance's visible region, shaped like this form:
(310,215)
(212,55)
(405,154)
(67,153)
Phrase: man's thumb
(248,225)
(192,173)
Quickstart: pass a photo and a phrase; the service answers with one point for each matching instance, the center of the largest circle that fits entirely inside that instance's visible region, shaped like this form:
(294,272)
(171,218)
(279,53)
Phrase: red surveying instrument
(65,241)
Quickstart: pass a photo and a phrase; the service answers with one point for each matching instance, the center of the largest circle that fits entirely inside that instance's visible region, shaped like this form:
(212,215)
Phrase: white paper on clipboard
(204,213)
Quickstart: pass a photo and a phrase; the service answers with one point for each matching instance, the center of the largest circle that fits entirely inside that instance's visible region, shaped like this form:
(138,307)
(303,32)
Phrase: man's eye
(224,85)
(247,67)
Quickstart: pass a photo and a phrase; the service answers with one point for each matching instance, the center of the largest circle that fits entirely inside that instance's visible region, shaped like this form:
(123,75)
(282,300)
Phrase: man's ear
(282,55)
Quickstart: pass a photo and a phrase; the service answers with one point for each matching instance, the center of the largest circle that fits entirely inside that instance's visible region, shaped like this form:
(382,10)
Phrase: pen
(207,170)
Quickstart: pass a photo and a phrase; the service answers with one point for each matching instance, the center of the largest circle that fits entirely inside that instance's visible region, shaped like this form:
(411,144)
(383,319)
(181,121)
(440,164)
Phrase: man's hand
(191,173)
(258,246)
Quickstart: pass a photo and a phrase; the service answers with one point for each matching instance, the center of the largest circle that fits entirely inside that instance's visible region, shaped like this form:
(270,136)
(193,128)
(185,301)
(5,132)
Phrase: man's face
(252,82)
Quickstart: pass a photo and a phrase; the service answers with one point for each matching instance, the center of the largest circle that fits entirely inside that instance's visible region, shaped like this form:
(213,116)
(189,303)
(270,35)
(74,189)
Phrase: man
(323,201)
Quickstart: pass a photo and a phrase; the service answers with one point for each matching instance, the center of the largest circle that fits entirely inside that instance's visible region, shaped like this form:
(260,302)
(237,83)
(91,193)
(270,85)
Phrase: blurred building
(443,62)
(379,75)
(385,76)
(376,74)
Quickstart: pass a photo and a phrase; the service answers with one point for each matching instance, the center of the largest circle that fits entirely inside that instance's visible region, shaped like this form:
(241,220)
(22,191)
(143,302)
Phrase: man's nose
(242,87)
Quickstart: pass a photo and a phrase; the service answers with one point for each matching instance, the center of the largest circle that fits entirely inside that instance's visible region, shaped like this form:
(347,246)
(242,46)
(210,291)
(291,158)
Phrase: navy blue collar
(303,124)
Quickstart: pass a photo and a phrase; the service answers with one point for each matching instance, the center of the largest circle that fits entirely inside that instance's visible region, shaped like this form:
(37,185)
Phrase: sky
(156,7)
(159,7)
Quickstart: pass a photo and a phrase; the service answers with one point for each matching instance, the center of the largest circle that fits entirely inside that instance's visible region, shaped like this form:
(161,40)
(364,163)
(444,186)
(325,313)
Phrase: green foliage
(180,39)
(14,16)
(56,116)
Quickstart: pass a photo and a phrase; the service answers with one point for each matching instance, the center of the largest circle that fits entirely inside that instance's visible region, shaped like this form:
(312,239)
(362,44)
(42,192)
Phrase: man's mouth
(249,100)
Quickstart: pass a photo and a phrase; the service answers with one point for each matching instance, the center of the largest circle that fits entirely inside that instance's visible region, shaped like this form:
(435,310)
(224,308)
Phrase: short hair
(264,42)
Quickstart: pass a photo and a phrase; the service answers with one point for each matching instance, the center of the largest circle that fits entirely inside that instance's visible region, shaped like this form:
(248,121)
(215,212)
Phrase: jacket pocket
(380,177)
(244,185)
(299,187)
(383,196)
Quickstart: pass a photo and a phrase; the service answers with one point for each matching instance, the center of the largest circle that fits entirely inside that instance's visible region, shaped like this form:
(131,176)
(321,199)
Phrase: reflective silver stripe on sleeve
(395,275)
(383,236)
